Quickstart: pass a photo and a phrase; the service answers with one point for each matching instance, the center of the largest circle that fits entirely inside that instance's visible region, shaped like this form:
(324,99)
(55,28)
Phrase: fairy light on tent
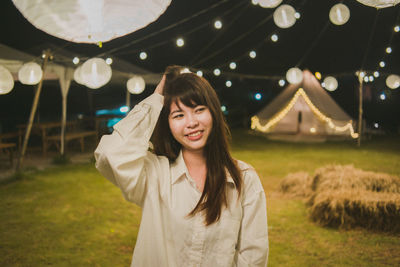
(255,121)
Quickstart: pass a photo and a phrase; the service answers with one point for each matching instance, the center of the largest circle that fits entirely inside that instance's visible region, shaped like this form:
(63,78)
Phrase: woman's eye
(200,109)
(177,116)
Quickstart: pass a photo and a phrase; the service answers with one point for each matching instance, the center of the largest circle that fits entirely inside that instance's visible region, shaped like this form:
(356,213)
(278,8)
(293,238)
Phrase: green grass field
(71,216)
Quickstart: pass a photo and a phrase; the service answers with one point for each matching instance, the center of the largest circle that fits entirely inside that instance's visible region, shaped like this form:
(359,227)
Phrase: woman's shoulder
(251,180)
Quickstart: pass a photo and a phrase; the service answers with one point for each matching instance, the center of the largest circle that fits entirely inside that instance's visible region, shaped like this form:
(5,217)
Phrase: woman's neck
(197,167)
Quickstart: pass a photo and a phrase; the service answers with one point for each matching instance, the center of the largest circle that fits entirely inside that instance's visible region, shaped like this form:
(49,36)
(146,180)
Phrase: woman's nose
(193,122)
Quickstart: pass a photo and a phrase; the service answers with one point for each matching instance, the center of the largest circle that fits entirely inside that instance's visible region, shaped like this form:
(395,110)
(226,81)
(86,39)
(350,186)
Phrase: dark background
(312,43)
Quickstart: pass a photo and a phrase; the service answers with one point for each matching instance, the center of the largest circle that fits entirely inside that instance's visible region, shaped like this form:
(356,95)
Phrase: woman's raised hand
(160,86)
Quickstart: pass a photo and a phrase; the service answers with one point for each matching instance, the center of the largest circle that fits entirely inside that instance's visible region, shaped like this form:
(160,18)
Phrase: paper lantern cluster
(294,76)
(284,16)
(339,14)
(379,3)
(136,85)
(6,81)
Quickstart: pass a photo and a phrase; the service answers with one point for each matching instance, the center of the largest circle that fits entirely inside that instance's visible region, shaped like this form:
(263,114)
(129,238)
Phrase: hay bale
(346,197)
(296,185)
(351,208)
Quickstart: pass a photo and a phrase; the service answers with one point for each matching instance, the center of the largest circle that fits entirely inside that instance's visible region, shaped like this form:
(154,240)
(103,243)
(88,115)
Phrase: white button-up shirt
(167,194)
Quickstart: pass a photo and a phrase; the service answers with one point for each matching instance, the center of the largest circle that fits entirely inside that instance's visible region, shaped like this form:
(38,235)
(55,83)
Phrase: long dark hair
(193,90)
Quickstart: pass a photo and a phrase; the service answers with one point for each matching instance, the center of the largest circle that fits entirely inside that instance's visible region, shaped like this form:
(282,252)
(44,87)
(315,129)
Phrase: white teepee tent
(304,109)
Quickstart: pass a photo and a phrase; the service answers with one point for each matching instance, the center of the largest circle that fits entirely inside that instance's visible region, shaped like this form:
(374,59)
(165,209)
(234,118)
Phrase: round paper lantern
(78,75)
(6,81)
(379,3)
(393,81)
(339,14)
(30,73)
(95,73)
(284,16)
(294,75)
(331,83)
(269,3)
(136,85)
(84,21)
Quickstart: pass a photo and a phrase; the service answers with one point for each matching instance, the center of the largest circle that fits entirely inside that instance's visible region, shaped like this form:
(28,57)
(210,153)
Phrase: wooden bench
(56,139)
(8,148)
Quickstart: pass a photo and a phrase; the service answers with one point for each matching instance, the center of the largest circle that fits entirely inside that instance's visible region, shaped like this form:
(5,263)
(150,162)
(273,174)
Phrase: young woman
(200,207)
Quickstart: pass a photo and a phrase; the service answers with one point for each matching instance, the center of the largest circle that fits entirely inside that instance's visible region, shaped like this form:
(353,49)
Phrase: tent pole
(46,54)
(360,108)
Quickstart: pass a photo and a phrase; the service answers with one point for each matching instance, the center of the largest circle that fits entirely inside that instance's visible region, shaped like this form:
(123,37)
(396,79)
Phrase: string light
(382,64)
(318,75)
(297,15)
(199,73)
(382,96)
(143,55)
(388,50)
(217,72)
(252,54)
(109,61)
(228,83)
(281,82)
(218,24)
(274,38)
(75,60)
(376,74)
(258,96)
(232,65)
(255,121)
(180,42)
(366,79)
(223,108)
(396,28)
(371,78)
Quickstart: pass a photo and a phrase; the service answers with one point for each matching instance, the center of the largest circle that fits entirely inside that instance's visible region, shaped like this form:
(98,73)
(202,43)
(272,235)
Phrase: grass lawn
(71,216)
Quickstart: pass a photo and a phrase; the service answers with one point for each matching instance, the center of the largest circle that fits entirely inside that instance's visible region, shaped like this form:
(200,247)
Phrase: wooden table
(8,148)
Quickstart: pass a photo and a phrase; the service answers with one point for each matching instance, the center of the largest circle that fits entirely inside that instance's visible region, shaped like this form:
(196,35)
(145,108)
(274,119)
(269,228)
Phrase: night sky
(313,43)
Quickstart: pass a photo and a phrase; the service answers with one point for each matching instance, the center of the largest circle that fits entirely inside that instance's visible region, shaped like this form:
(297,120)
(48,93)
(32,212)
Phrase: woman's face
(190,126)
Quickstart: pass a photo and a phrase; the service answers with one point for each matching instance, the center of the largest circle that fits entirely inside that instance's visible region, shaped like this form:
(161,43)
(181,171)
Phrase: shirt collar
(178,169)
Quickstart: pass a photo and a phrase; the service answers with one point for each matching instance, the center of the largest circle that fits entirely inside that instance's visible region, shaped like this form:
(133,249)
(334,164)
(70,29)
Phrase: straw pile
(346,197)
(296,185)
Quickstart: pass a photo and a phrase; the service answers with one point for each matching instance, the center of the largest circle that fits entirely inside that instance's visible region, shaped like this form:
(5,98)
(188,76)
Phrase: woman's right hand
(160,86)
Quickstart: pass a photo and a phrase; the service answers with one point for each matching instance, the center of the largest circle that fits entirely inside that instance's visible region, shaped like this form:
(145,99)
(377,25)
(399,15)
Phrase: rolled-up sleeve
(253,246)
(123,157)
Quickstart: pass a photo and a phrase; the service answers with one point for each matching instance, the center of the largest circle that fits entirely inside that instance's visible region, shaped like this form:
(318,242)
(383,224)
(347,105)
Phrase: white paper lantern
(136,85)
(393,81)
(294,75)
(6,81)
(90,21)
(95,73)
(339,14)
(284,16)
(30,73)
(78,75)
(331,83)
(379,3)
(269,3)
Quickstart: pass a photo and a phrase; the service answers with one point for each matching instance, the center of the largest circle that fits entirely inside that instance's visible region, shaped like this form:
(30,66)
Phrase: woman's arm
(252,247)
(123,157)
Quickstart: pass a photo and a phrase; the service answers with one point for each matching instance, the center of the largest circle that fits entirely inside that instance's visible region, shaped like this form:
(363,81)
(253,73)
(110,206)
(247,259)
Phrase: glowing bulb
(371,78)
(388,50)
(109,61)
(75,60)
(143,55)
(382,64)
(199,73)
(124,109)
(274,38)
(382,96)
(396,28)
(313,130)
(252,54)
(218,24)
(223,108)
(232,65)
(297,15)
(281,82)
(362,74)
(180,42)
(258,96)
(318,75)
(366,79)
(376,74)
(228,83)
(217,72)
(185,70)
(376,125)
